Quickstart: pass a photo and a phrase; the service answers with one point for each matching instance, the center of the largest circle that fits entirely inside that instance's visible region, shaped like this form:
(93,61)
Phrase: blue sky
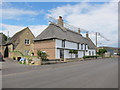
(41,7)
(92,16)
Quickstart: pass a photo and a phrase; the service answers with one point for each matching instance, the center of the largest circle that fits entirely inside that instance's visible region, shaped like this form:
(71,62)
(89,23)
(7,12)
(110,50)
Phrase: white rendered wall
(57,53)
(80,54)
(86,47)
(67,54)
(58,43)
(79,46)
(87,53)
(70,45)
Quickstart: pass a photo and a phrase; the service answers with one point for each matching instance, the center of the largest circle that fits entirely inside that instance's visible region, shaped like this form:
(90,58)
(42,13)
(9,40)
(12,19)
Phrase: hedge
(84,57)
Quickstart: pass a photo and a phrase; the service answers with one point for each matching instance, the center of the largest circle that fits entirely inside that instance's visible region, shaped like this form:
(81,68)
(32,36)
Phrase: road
(101,73)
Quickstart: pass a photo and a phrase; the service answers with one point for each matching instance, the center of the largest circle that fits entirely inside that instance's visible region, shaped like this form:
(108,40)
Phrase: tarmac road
(101,73)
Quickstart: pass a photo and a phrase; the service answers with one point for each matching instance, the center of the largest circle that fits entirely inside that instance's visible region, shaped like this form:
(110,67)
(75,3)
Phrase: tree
(71,51)
(5,38)
(102,51)
(75,51)
(42,55)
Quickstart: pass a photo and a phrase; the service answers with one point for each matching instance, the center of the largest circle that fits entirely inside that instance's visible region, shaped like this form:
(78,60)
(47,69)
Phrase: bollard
(60,60)
(65,60)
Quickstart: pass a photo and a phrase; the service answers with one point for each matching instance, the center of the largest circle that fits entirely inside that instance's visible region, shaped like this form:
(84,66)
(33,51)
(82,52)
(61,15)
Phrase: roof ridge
(64,28)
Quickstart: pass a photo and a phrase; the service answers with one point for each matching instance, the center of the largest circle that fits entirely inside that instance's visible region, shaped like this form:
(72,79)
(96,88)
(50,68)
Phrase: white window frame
(27,42)
(27,52)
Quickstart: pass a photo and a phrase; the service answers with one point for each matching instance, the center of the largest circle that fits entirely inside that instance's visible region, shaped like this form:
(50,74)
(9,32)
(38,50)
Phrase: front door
(61,53)
(6,52)
(76,55)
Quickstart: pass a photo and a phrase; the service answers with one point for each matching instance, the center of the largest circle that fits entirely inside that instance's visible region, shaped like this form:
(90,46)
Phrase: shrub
(102,51)
(29,60)
(14,58)
(75,51)
(42,55)
(71,51)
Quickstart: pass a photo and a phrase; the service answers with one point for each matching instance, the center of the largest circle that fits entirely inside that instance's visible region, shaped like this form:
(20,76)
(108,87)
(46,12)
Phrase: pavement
(100,73)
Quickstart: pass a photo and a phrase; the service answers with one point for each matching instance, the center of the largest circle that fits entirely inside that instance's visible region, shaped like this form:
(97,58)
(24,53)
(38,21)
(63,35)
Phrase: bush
(73,51)
(14,58)
(21,62)
(29,60)
(84,57)
(42,55)
(101,52)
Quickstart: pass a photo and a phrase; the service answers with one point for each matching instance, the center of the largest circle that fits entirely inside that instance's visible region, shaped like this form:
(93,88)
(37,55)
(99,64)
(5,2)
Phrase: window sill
(27,44)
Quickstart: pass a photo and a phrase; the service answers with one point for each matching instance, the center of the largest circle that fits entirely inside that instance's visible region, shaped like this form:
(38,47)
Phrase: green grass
(29,56)
(21,62)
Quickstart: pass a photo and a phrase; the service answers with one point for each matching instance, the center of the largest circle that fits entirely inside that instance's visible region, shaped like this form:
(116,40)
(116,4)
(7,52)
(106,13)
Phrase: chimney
(60,21)
(79,30)
(87,36)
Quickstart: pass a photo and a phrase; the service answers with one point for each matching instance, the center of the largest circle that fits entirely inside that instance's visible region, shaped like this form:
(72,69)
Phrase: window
(81,46)
(27,41)
(85,46)
(61,53)
(78,46)
(63,43)
(92,52)
(27,52)
(89,53)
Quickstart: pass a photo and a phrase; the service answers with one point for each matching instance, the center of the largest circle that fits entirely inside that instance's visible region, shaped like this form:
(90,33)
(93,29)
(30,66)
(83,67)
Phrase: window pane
(27,41)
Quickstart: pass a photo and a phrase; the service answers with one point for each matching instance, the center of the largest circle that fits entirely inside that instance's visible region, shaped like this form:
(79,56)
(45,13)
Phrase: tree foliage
(101,52)
(73,51)
(42,55)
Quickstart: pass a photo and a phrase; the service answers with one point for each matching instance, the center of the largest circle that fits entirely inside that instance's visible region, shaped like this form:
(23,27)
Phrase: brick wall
(47,45)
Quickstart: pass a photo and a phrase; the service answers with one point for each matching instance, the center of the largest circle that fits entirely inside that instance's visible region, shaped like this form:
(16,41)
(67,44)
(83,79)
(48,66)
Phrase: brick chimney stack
(79,30)
(87,35)
(60,21)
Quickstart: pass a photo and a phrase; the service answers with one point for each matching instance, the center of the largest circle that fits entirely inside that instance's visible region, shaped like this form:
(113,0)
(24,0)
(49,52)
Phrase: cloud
(36,29)
(12,13)
(7,11)
(101,18)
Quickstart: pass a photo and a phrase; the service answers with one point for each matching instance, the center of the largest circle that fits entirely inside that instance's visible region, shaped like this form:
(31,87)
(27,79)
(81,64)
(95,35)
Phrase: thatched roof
(55,31)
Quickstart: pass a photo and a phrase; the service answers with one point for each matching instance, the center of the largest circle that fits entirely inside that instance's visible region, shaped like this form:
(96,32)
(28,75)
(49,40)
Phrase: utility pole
(96,41)
(8,36)
(2,45)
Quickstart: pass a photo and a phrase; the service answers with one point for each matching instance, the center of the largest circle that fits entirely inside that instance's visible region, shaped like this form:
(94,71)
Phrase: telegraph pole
(96,41)
(2,45)
(8,36)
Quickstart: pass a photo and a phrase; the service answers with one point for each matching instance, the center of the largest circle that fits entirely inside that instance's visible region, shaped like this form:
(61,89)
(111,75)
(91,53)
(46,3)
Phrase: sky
(94,17)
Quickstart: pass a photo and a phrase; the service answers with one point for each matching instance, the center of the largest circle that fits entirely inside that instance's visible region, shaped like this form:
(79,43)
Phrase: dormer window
(63,43)
(81,46)
(78,46)
(85,46)
(27,41)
